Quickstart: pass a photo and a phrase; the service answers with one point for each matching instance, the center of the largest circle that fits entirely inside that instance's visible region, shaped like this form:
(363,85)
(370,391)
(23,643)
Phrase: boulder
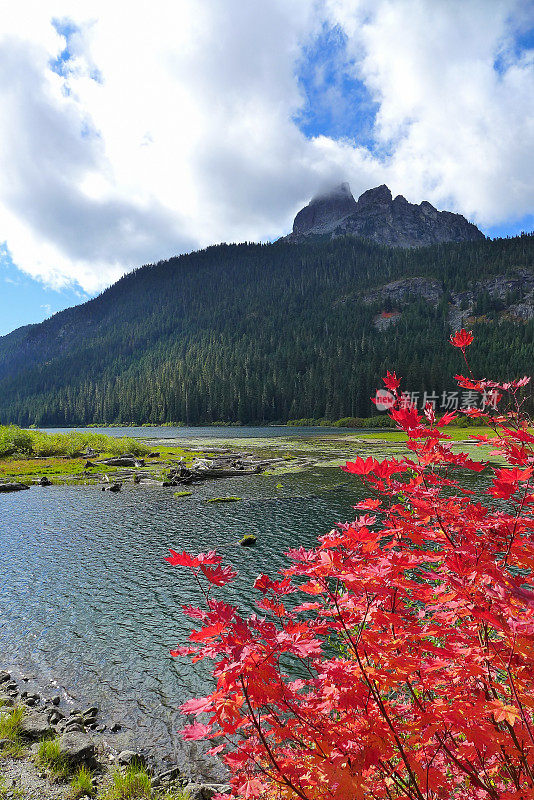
(35,725)
(116,487)
(77,749)
(128,757)
(167,776)
(14,486)
(55,716)
(73,727)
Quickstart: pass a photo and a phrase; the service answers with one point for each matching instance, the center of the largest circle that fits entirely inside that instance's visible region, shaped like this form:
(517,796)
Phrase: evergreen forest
(256,333)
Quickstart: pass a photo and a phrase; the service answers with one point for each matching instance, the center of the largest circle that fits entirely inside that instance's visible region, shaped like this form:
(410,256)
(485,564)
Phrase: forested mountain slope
(273,332)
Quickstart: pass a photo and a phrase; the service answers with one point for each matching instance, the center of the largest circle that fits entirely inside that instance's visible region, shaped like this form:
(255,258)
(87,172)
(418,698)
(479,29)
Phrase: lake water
(209,432)
(88,601)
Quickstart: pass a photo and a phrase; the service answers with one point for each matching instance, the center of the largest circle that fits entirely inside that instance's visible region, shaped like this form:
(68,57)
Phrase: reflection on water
(87,598)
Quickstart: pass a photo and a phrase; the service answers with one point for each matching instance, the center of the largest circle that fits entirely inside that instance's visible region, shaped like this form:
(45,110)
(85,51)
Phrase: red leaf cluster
(396,659)
(462,339)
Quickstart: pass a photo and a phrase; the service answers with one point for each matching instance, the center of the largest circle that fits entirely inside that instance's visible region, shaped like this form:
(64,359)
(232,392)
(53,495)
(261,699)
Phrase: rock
(26,696)
(55,716)
(167,776)
(377,216)
(115,726)
(44,481)
(249,540)
(77,748)
(153,455)
(204,791)
(130,757)
(56,700)
(73,727)
(89,464)
(77,719)
(35,725)
(100,728)
(14,486)
(5,677)
(116,487)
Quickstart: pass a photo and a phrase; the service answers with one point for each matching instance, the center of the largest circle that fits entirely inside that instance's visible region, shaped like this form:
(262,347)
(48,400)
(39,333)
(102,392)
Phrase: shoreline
(87,740)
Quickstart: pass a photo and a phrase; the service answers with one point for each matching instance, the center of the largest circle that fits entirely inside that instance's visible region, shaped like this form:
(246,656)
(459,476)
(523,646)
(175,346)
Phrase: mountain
(379,217)
(274,332)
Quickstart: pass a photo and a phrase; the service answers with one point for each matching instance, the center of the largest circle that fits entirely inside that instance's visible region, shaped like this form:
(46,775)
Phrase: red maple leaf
(462,339)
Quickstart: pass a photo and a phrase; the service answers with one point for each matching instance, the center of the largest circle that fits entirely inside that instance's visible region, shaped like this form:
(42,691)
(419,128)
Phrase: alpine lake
(89,607)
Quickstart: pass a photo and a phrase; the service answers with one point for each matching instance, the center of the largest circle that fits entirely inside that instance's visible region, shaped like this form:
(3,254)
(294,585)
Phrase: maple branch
(267,747)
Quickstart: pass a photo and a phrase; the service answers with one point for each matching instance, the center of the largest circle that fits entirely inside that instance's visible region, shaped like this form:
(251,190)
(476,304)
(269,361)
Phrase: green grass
(176,794)
(10,729)
(133,784)
(82,784)
(16,441)
(23,456)
(50,758)
(457,433)
(224,499)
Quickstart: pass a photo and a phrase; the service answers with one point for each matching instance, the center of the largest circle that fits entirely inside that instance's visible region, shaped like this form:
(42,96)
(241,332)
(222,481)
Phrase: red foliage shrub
(397,658)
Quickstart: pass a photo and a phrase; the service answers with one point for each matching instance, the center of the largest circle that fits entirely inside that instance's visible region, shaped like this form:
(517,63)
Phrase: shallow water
(88,601)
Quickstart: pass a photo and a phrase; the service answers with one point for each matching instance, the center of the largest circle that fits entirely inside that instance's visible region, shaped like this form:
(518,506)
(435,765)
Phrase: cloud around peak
(127,138)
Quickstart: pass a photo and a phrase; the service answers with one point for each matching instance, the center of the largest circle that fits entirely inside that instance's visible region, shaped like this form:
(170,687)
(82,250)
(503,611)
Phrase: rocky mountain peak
(325,211)
(380,195)
(377,216)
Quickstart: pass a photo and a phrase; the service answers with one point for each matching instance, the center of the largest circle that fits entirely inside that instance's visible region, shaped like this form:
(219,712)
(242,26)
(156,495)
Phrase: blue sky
(125,140)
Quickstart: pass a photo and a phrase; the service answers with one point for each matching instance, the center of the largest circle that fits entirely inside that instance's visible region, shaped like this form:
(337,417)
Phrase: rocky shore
(112,473)
(82,739)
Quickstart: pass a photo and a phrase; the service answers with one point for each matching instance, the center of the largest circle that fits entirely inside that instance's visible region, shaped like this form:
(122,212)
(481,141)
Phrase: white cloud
(172,126)
(460,132)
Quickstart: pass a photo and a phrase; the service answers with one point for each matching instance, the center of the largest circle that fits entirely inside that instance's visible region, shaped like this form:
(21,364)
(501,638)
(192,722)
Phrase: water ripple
(87,599)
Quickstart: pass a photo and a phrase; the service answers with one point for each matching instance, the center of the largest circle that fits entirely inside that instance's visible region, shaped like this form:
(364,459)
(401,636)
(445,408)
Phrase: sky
(134,131)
